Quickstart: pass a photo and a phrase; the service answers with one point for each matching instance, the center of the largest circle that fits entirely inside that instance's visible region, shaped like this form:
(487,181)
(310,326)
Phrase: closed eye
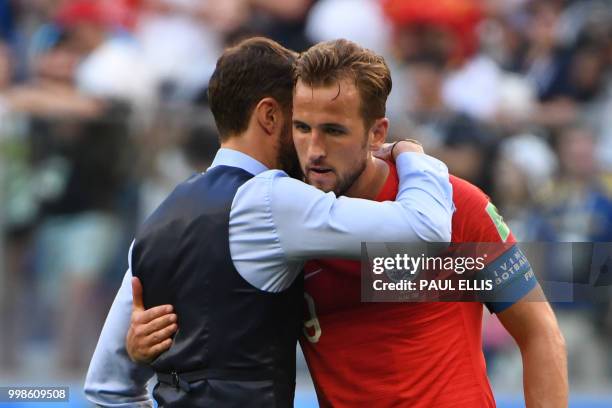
(301,127)
(334,131)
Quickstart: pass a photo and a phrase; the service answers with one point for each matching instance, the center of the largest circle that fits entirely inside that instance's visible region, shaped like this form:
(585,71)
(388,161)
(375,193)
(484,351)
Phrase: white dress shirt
(276,224)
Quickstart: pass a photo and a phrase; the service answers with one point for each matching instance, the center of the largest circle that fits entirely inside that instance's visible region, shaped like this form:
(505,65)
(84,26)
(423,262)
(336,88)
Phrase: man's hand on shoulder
(151,330)
(390,151)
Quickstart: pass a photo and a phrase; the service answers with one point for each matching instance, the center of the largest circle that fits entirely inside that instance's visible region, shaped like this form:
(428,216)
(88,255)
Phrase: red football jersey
(418,355)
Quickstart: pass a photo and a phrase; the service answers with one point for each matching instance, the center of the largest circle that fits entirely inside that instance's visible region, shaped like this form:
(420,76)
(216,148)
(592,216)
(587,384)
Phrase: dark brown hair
(253,69)
(328,62)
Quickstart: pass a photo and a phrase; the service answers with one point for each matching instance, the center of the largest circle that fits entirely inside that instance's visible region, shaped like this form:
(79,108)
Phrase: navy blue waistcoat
(235,346)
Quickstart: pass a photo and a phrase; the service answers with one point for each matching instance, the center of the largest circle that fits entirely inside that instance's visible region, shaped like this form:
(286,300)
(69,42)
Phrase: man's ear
(268,115)
(378,133)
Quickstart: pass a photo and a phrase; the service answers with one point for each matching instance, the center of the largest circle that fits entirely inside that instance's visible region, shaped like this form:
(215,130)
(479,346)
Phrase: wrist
(406,146)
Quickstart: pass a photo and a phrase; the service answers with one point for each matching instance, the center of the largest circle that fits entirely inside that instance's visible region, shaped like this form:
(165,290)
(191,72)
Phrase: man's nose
(316,148)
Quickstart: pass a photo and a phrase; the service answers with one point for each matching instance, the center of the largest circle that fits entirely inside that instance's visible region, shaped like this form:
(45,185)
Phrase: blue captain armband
(512,278)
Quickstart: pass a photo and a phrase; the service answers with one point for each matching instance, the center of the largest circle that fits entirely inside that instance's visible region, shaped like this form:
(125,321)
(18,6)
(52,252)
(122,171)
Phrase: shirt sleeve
(113,380)
(312,224)
(509,272)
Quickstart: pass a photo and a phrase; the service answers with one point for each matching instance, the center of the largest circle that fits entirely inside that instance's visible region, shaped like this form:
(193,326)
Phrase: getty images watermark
(412,264)
(485,272)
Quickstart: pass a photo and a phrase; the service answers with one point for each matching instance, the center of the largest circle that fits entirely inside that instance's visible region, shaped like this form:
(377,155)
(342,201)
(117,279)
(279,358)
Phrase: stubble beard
(287,155)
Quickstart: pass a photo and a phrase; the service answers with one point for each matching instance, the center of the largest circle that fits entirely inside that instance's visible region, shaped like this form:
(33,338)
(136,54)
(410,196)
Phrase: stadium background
(103,111)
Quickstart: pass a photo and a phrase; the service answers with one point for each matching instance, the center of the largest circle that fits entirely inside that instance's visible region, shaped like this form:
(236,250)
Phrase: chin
(327,189)
(322,187)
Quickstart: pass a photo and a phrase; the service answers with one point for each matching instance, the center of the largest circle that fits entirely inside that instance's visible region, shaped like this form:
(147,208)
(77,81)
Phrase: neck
(254,146)
(371,181)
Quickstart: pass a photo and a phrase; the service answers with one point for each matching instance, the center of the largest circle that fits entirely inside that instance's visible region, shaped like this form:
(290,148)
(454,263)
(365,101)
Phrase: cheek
(297,138)
(346,154)
(358,146)
(301,143)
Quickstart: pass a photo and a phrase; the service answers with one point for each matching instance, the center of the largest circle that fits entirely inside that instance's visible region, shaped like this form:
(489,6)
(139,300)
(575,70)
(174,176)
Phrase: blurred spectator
(181,40)
(447,26)
(447,32)
(523,173)
(110,63)
(283,21)
(361,21)
(437,44)
(52,90)
(543,58)
(566,69)
(465,144)
(579,209)
(78,237)
(74,149)
(579,206)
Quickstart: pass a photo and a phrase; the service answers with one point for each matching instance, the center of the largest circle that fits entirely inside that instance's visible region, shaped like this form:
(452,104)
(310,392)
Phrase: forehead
(339,101)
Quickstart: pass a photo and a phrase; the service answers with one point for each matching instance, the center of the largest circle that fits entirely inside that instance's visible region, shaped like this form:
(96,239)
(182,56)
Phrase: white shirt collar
(234,158)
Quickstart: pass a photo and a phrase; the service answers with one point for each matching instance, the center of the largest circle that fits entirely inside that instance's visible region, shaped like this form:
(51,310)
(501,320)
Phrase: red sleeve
(476,219)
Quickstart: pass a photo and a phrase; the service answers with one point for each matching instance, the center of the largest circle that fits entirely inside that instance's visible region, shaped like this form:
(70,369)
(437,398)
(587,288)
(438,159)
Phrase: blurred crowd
(103,110)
